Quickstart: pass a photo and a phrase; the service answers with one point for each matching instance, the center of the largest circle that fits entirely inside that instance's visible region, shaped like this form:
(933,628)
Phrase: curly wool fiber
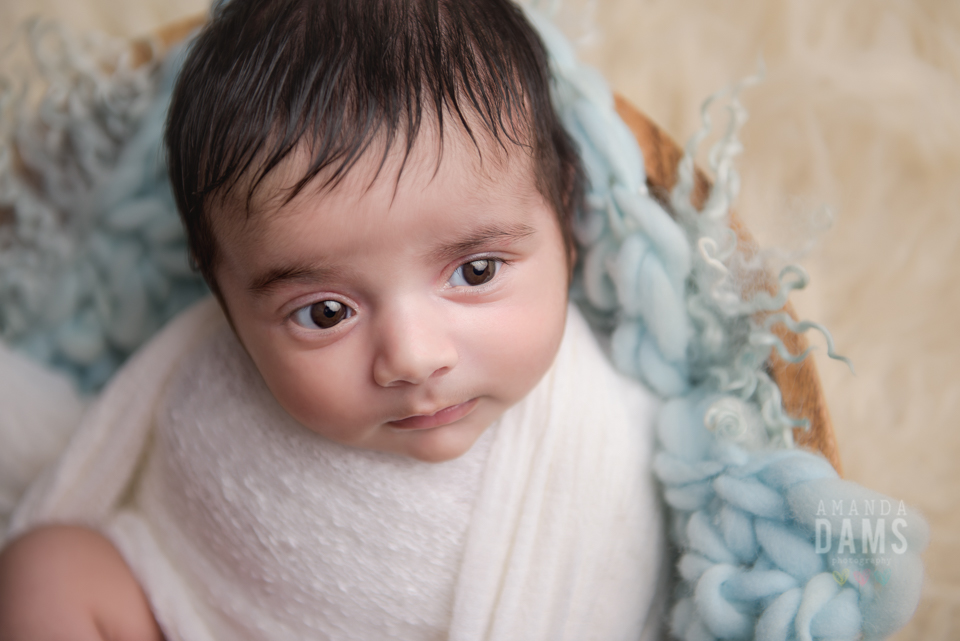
(674,294)
(93,258)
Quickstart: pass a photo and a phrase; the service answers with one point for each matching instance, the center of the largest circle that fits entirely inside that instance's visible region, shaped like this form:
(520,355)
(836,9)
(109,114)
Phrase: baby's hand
(67,583)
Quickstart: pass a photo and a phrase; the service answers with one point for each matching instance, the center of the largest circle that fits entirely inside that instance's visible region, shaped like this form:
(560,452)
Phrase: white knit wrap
(242,524)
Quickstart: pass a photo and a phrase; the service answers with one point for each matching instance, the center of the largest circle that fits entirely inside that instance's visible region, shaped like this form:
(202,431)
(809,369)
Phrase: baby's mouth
(439,418)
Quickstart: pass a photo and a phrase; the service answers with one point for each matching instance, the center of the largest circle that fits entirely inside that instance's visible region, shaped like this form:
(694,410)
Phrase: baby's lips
(441,417)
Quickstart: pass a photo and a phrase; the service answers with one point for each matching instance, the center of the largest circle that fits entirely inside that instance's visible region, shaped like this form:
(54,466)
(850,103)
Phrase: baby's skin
(68,583)
(396,312)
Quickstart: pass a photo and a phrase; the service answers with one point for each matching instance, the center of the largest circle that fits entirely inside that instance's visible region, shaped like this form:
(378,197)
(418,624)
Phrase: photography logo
(859,537)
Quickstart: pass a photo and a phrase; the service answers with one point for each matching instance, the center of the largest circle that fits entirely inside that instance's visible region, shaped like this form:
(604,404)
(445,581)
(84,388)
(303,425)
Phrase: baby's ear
(571,261)
(571,198)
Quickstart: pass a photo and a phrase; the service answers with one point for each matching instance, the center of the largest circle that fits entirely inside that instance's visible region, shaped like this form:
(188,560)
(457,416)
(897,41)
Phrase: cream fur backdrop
(857,122)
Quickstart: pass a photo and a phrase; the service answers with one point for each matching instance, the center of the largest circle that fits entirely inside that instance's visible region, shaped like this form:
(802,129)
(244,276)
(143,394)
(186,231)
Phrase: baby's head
(380,194)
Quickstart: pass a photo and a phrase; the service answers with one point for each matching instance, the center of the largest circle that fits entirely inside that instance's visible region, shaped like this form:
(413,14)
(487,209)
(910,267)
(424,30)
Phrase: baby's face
(404,316)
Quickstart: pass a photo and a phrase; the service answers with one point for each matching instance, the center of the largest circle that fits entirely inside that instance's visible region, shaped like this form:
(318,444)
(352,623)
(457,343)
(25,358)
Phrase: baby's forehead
(474,157)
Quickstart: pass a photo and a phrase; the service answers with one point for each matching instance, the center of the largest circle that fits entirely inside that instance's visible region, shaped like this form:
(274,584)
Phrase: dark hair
(266,76)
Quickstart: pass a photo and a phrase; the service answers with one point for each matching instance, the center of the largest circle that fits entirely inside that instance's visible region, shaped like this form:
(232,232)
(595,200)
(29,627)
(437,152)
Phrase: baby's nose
(412,347)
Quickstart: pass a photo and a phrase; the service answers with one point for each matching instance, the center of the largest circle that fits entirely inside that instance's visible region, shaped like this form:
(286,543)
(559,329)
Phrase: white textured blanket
(563,540)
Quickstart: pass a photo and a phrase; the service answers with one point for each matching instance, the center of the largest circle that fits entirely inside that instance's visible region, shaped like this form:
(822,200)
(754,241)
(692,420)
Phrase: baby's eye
(323,314)
(476,272)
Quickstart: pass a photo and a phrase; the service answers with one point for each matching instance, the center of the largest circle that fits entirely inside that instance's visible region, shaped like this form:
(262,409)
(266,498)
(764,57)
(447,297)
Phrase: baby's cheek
(323,401)
(529,350)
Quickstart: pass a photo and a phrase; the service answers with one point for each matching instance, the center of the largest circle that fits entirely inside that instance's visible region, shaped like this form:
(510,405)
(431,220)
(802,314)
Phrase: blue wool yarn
(95,260)
(745,505)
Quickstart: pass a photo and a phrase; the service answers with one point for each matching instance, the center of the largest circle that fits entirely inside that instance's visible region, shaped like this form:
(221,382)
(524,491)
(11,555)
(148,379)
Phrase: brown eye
(328,313)
(322,315)
(476,272)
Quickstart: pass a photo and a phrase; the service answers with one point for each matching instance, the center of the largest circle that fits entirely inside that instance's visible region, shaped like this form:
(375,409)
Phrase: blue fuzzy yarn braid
(93,258)
(744,505)
(765,553)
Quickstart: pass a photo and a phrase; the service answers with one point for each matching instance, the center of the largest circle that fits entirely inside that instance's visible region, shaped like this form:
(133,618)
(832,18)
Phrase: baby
(392,426)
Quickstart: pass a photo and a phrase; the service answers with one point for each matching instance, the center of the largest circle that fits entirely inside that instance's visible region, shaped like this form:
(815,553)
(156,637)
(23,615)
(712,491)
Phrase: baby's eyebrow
(274,278)
(481,238)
